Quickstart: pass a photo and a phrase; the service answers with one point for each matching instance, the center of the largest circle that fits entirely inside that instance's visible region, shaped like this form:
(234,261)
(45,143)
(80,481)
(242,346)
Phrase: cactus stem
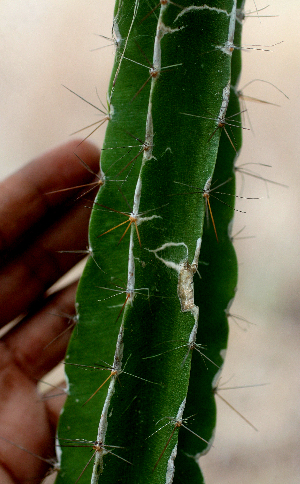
(202,7)
(177,425)
(154,73)
(98,463)
(85,467)
(123,306)
(154,70)
(169,262)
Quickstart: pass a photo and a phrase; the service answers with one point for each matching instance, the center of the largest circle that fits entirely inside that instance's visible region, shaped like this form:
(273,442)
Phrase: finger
(28,351)
(38,343)
(24,422)
(5,478)
(25,196)
(29,275)
(54,401)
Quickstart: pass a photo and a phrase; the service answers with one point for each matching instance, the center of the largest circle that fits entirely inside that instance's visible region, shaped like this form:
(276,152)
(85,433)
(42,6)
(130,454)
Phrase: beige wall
(44,44)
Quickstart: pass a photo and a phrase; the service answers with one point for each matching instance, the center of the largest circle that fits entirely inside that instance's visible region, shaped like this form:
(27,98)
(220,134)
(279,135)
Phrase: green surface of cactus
(153,299)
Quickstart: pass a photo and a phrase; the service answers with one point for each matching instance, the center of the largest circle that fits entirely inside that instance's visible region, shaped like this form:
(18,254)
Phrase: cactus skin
(157,377)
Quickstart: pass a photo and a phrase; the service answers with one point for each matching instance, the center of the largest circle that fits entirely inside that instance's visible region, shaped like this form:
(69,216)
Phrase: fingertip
(46,182)
(67,162)
(88,151)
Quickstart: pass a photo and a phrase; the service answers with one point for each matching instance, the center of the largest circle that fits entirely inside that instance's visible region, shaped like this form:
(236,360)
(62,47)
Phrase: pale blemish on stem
(116,28)
(171,462)
(228,47)
(180,411)
(98,462)
(116,33)
(221,120)
(171,466)
(195,8)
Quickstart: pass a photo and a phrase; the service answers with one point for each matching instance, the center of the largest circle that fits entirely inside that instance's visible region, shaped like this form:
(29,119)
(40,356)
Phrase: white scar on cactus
(116,28)
(171,466)
(195,8)
(228,47)
(147,155)
(161,30)
(98,462)
(171,462)
(178,422)
(117,35)
(131,291)
(180,411)
(221,120)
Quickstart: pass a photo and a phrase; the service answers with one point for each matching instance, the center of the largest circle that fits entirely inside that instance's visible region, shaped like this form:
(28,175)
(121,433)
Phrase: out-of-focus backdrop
(46,44)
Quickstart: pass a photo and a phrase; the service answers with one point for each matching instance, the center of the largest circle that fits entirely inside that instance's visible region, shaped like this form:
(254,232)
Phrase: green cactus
(152,302)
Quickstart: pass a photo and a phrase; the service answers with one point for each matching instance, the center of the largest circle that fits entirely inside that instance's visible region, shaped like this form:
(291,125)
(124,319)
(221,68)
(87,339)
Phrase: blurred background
(46,44)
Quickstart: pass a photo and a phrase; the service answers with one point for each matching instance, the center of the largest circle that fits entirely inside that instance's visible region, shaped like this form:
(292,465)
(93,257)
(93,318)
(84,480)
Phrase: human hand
(34,226)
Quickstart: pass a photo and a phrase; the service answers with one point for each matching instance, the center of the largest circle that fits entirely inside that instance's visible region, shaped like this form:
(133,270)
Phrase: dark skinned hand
(34,226)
